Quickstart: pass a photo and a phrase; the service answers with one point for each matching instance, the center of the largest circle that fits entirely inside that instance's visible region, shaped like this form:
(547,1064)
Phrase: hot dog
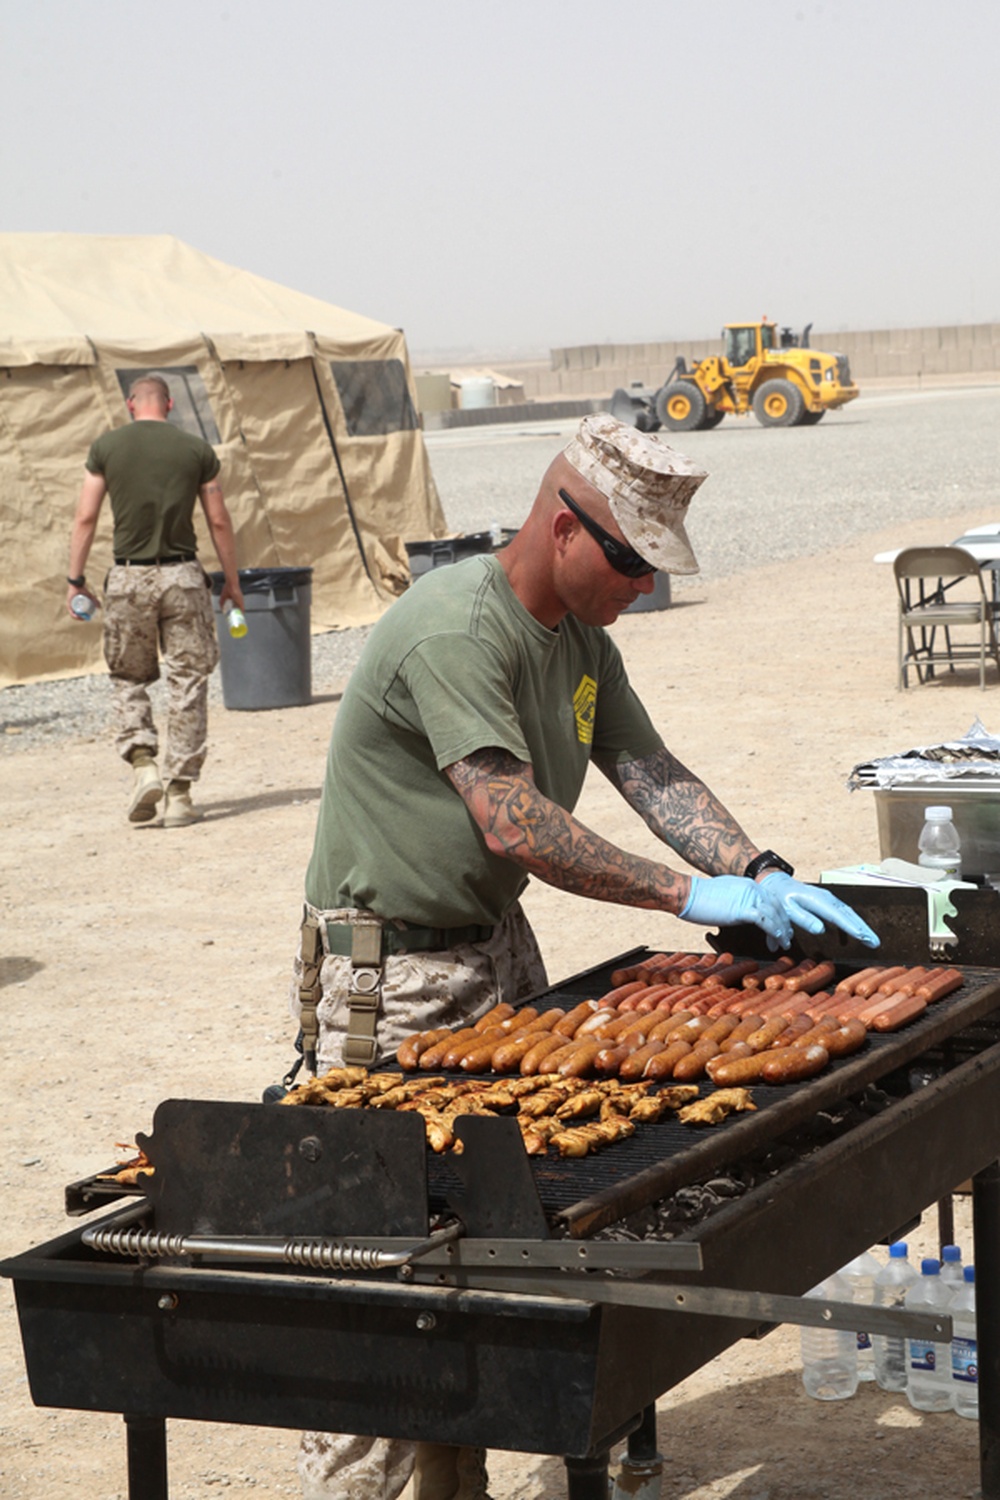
(791,1064)
(507,1056)
(881,976)
(908,981)
(906,1008)
(796,1026)
(847,985)
(816,978)
(547,1043)
(777,981)
(745,1026)
(620,992)
(766,1034)
(877,1005)
(940,985)
(727,1071)
(844,1040)
(433,1057)
(575,1017)
(767,971)
(492,1017)
(579,1063)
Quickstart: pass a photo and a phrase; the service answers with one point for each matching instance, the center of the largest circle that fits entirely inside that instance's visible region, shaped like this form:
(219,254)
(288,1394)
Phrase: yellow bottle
(235,620)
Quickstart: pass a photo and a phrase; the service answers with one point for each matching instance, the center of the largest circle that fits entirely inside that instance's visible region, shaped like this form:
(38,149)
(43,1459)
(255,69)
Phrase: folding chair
(940,591)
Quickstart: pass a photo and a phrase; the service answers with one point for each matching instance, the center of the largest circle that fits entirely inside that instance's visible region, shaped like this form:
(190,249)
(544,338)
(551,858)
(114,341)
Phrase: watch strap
(767,860)
(77,583)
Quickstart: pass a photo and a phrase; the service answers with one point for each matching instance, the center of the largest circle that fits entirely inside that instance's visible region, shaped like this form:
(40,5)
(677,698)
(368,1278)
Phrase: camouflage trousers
(449,987)
(149,611)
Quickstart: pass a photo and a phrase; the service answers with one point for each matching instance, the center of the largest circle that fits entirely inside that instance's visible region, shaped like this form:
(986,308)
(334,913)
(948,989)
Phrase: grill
(312,1268)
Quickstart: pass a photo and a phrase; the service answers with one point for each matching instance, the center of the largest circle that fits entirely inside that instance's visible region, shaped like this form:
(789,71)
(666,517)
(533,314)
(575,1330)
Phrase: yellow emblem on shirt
(584,704)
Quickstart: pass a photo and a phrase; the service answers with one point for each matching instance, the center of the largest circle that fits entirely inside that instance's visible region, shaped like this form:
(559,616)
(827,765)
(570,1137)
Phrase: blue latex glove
(811,907)
(728,899)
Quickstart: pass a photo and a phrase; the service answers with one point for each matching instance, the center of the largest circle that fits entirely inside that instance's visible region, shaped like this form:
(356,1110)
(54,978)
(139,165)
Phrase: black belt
(339,936)
(153,562)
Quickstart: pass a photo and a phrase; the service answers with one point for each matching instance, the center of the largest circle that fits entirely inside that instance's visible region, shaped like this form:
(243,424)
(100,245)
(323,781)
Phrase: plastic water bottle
(829,1355)
(860,1275)
(964,1356)
(235,620)
(83,606)
(891,1285)
(951,1267)
(929,1382)
(940,847)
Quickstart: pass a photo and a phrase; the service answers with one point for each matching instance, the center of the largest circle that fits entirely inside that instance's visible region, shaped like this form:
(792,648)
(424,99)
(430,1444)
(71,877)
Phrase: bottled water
(829,1355)
(236,622)
(891,1285)
(929,1382)
(83,606)
(951,1267)
(940,848)
(860,1275)
(964,1356)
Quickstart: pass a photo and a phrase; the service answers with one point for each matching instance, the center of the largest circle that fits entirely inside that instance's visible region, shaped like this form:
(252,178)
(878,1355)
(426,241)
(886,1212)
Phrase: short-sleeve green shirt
(153,471)
(457,665)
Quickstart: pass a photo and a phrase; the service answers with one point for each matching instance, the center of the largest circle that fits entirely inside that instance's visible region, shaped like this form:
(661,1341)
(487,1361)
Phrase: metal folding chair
(940,592)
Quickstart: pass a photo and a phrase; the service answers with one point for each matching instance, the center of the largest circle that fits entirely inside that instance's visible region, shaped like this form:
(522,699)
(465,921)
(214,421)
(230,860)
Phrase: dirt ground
(140,964)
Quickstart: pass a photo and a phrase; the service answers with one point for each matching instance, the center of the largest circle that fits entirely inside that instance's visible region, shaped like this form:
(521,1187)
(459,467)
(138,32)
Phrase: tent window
(374,395)
(191,410)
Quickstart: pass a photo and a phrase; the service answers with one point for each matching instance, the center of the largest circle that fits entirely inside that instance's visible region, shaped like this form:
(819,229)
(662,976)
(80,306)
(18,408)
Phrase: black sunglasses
(623,559)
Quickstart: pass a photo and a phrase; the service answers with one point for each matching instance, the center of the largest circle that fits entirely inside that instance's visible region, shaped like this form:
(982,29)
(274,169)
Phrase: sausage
(502,1012)
(777,981)
(848,984)
(734,974)
(844,1040)
(663,1064)
(410,1051)
(796,1027)
(726,1071)
(817,978)
(939,985)
(668,1024)
(620,992)
(579,1063)
(478,1059)
(908,981)
(434,1055)
(766,1035)
(766,971)
(876,1005)
(575,1017)
(816,1029)
(906,1008)
(693,1030)
(633,1066)
(547,1043)
(654,994)
(693,1066)
(745,1027)
(844,1007)
(681,997)
(710,997)
(507,1057)
(596,1022)
(792,1064)
(786,1003)
(869,986)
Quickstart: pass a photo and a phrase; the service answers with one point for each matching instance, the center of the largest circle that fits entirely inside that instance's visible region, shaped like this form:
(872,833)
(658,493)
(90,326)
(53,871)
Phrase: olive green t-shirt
(153,471)
(457,665)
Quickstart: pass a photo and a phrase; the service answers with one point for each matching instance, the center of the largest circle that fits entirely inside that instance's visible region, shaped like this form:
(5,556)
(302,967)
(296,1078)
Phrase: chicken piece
(550,1098)
(401,1093)
(130,1171)
(498,1096)
(582,1105)
(654,1106)
(343,1078)
(440,1135)
(715,1107)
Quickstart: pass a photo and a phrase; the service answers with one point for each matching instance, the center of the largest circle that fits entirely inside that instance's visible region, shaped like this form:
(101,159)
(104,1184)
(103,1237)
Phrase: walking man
(156,596)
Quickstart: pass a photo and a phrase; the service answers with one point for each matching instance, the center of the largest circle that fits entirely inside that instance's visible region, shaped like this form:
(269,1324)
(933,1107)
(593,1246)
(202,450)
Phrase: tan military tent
(310,408)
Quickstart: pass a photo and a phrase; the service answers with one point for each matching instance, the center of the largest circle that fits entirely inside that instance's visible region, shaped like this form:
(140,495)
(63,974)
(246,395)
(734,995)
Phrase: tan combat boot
(147,788)
(178,810)
(443,1472)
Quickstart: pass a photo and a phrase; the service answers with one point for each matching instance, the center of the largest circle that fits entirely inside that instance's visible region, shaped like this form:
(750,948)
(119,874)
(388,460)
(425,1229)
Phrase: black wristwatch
(766,861)
(77,583)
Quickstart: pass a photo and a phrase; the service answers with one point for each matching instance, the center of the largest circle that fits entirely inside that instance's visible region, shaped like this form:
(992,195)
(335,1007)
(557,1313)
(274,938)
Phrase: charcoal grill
(312,1268)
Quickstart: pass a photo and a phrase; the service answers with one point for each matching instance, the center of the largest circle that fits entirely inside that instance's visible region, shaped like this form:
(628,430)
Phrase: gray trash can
(270,666)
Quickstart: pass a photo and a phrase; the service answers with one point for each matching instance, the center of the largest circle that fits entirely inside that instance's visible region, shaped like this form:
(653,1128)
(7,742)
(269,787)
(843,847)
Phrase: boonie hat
(647,483)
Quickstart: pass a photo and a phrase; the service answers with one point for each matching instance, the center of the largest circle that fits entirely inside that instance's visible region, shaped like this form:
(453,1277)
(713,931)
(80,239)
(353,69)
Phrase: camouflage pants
(420,991)
(149,611)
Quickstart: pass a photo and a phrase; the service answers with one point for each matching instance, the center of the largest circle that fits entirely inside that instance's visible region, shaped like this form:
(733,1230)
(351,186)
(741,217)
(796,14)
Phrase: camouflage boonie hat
(648,485)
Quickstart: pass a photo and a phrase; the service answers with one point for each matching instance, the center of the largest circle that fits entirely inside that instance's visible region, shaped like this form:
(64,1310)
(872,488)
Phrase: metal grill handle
(317,1254)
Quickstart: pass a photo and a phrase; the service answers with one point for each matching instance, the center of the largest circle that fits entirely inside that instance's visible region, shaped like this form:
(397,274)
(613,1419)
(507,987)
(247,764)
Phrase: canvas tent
(310,408)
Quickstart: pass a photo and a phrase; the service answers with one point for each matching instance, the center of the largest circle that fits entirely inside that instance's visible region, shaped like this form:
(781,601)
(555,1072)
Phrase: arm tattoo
(679,808)
(520,824)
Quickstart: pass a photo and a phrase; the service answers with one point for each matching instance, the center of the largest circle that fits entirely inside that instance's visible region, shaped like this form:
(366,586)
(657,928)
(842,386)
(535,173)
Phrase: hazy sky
(502,178)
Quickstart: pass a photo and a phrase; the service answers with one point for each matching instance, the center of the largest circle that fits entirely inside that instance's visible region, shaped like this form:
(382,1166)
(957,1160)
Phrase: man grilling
(457,756)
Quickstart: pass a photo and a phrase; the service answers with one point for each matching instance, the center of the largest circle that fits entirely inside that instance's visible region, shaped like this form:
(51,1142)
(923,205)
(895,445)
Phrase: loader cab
(744,342)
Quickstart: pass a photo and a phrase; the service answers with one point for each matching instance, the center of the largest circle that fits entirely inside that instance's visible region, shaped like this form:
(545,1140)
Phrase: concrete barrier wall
(586,370)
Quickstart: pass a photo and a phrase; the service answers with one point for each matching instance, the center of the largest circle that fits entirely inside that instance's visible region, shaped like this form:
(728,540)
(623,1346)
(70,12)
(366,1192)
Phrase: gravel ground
(893,456)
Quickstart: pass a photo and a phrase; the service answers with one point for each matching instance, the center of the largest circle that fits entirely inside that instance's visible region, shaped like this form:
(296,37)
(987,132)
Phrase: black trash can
(270,666)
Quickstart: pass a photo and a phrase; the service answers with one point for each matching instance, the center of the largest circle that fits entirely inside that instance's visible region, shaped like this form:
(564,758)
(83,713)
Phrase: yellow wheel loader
(773,373)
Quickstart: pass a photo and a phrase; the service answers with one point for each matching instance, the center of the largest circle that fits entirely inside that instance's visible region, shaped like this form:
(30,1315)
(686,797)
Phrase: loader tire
(645,421)
(778,403)
(810,418)
(680,406)
(712,418)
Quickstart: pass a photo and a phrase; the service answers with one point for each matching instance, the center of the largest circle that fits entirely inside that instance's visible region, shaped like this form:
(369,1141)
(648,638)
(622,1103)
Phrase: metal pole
(146,1447)
(640,1475)
(587,1478)
(946,1221)
(986,1235)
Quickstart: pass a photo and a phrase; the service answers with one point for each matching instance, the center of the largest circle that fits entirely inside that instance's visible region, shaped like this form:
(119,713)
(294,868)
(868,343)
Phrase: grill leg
(986,1233)
(146,1447)
(587,1478)
(640,1474)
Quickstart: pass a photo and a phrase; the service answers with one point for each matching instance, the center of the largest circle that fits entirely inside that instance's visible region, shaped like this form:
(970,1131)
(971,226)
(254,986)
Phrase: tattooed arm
(520,824)
(680,810)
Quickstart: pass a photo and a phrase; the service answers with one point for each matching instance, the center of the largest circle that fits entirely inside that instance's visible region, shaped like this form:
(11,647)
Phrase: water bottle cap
(930,1268)
(969,1272)
(937,814)
(899,1250)
(950,1253)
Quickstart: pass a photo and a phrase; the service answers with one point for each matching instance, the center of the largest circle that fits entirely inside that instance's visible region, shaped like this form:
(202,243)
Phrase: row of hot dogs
(683,1017)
